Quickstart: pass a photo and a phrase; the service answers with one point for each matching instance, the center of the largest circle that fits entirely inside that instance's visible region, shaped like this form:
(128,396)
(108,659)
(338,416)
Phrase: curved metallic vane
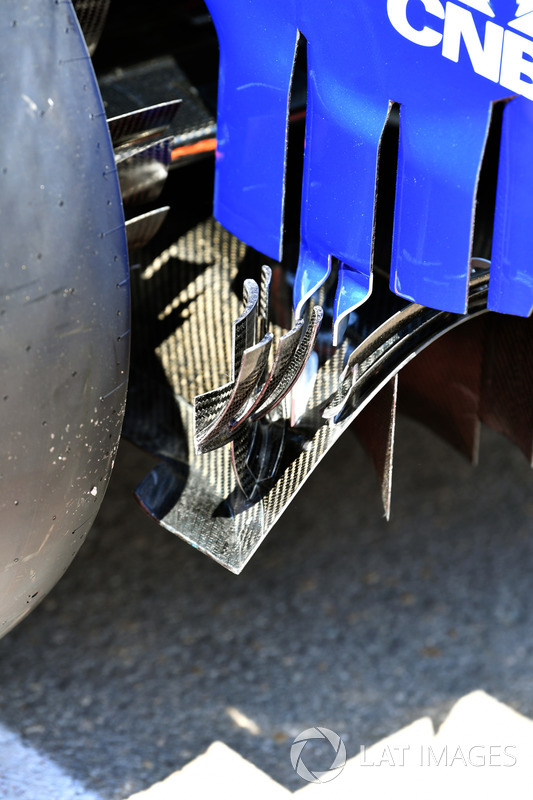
(212,408)
(253,365)
(294,350)
(139,230)
(252,394)
(142,170)
(392,346)
(143,123)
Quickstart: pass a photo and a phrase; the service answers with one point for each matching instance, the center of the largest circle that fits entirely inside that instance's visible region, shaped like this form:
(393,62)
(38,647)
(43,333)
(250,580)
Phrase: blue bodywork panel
(445,63)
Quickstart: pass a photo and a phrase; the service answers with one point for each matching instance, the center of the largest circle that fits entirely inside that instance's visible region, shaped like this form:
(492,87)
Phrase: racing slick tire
(64,300)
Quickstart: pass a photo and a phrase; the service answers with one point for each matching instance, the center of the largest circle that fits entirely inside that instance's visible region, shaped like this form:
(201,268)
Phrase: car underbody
(241,377)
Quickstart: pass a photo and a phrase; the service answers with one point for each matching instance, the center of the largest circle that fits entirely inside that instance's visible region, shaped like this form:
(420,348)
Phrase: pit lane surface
(146,652)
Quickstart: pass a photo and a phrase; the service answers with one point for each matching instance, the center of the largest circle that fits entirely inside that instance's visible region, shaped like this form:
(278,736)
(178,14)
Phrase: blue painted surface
(511,283)
(445,63)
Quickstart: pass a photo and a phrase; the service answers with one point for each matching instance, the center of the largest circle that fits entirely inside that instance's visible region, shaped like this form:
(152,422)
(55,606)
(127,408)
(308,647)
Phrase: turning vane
(254,391)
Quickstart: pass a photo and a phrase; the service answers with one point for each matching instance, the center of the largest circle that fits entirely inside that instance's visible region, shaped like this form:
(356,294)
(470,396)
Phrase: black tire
(64,300)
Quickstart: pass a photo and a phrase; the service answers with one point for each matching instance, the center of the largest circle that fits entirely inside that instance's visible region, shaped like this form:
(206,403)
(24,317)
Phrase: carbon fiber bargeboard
(192,282)
(186,299)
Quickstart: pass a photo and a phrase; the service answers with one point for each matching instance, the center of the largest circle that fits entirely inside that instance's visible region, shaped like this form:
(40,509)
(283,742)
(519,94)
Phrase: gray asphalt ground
(131,666)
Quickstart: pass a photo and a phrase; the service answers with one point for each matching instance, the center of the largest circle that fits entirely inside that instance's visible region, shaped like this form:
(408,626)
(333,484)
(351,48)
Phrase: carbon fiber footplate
(186,299)
(189,293)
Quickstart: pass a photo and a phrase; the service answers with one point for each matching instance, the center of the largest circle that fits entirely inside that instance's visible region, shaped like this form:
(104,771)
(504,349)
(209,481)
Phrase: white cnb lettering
(428,37)
(517,64)
(485,58)
(503,57)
